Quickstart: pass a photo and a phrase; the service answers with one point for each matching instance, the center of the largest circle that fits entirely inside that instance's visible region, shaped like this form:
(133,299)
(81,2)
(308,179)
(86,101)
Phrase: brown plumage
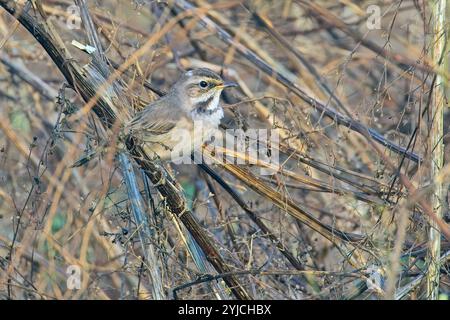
(167,125)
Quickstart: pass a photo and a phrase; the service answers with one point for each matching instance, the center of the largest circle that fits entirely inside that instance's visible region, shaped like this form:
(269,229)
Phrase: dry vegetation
(347,217)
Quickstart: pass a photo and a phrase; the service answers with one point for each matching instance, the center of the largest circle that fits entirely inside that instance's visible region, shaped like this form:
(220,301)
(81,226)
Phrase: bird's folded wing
(153,122)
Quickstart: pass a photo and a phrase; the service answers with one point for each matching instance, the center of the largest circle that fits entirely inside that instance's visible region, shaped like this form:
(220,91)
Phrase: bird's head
(199,89)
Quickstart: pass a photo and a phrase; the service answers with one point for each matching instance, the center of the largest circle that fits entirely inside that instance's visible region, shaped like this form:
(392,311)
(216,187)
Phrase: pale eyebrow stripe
(197,80)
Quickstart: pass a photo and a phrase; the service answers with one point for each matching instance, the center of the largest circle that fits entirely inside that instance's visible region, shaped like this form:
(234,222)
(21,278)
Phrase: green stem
(438,47)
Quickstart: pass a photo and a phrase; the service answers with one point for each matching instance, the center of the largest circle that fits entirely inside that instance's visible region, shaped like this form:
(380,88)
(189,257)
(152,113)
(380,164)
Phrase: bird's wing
(155,120)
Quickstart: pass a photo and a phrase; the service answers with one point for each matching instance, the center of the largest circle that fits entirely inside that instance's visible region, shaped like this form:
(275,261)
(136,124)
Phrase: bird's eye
(203,84)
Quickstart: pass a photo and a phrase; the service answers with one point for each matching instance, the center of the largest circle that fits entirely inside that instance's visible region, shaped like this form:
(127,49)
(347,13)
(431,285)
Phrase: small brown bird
(177,124)
(183,119)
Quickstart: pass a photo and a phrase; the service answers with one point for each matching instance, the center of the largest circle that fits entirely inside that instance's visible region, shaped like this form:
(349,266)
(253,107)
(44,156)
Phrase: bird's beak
(227,84)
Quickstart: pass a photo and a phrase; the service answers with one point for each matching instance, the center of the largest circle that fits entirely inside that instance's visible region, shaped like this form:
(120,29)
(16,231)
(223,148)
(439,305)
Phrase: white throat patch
(213,112)
(215,101)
